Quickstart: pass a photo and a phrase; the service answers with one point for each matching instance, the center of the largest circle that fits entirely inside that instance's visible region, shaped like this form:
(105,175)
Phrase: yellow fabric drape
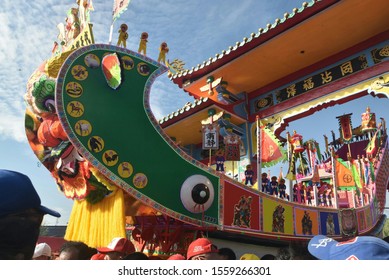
(97,224)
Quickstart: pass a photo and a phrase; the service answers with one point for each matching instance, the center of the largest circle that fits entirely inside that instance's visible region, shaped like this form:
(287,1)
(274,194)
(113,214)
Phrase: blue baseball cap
(358,248)
(17,194)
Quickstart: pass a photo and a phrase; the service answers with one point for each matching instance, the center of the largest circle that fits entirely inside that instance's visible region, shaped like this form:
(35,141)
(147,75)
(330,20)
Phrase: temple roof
(185,123)
(307,36)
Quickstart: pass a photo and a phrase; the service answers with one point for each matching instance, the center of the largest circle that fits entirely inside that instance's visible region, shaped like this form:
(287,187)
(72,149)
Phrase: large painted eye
(197,193)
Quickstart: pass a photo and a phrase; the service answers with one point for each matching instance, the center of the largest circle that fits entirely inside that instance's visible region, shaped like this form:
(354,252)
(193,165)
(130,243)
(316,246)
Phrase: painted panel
(306,222)
(329,223)
(241,207)
(277,217)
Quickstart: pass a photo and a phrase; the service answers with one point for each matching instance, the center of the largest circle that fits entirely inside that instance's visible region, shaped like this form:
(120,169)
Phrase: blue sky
(193,30)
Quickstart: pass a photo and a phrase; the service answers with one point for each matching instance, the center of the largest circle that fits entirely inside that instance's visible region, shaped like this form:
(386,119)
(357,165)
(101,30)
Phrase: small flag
(344,175)
(119,7)
(355,173)
(271,150)
(371,146)
(292,168)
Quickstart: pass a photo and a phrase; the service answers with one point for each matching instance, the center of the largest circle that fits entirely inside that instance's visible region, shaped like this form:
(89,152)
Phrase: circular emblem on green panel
(73,89)
(125,169)
(75,109)
(83,128)
(79,72)
(140,180)
(127,62)
(91,60)
(143,69)
(110,157)
(96,144)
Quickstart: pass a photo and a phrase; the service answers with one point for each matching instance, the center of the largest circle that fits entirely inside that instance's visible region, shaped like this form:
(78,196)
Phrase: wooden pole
(110,34)
(259,156)
(349,150)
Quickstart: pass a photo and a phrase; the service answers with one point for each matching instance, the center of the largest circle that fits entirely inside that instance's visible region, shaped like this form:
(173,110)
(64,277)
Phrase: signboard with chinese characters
(325,77)
(232,147)
(211,136)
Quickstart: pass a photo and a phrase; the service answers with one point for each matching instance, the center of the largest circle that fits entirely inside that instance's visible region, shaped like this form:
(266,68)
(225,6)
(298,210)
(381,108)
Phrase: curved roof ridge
(246,40)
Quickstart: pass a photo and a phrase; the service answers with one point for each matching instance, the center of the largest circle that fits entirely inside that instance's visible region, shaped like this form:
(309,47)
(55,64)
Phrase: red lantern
(297,141)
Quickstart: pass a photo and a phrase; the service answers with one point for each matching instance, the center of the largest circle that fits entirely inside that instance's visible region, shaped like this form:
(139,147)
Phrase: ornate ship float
(90,123)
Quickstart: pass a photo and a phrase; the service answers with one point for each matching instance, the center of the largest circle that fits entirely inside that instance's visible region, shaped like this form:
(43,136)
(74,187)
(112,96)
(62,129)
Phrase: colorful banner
(346,131)
(271,150)
(344,175)
(119,7)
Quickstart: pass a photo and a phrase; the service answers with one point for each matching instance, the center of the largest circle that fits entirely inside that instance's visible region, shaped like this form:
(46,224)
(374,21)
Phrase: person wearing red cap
(117,249)
(98,257)
(202,249)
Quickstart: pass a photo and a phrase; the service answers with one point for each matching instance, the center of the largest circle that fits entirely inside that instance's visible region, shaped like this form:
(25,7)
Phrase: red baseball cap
(118,244)
(98,257)
(200,246)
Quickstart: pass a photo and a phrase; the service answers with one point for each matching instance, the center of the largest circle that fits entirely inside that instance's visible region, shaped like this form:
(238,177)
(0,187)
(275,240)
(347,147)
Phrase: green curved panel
(115,130)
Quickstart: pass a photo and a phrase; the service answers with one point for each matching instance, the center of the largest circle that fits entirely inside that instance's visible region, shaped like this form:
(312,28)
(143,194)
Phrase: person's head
(268,257)
(274,178)
(297,250)
(136,256)
(42,252)
(117,249)
(176,257)
(357,248)
(21,215)
(75,250)
(264,175)
(202,249)
(249,257)
(227,254)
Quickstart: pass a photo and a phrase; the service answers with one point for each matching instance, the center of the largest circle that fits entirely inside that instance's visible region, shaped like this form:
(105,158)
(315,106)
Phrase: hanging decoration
(232,147)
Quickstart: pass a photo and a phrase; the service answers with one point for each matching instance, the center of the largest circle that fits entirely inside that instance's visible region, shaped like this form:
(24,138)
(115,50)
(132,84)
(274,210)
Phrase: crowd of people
(21,215)
(121,248)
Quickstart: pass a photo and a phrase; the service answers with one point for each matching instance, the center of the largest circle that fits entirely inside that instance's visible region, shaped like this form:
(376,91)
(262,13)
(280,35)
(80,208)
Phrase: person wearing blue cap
(21,215)
(357,248)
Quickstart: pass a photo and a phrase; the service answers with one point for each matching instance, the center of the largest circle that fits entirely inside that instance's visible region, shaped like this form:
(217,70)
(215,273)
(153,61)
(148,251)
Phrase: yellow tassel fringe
(97,224)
